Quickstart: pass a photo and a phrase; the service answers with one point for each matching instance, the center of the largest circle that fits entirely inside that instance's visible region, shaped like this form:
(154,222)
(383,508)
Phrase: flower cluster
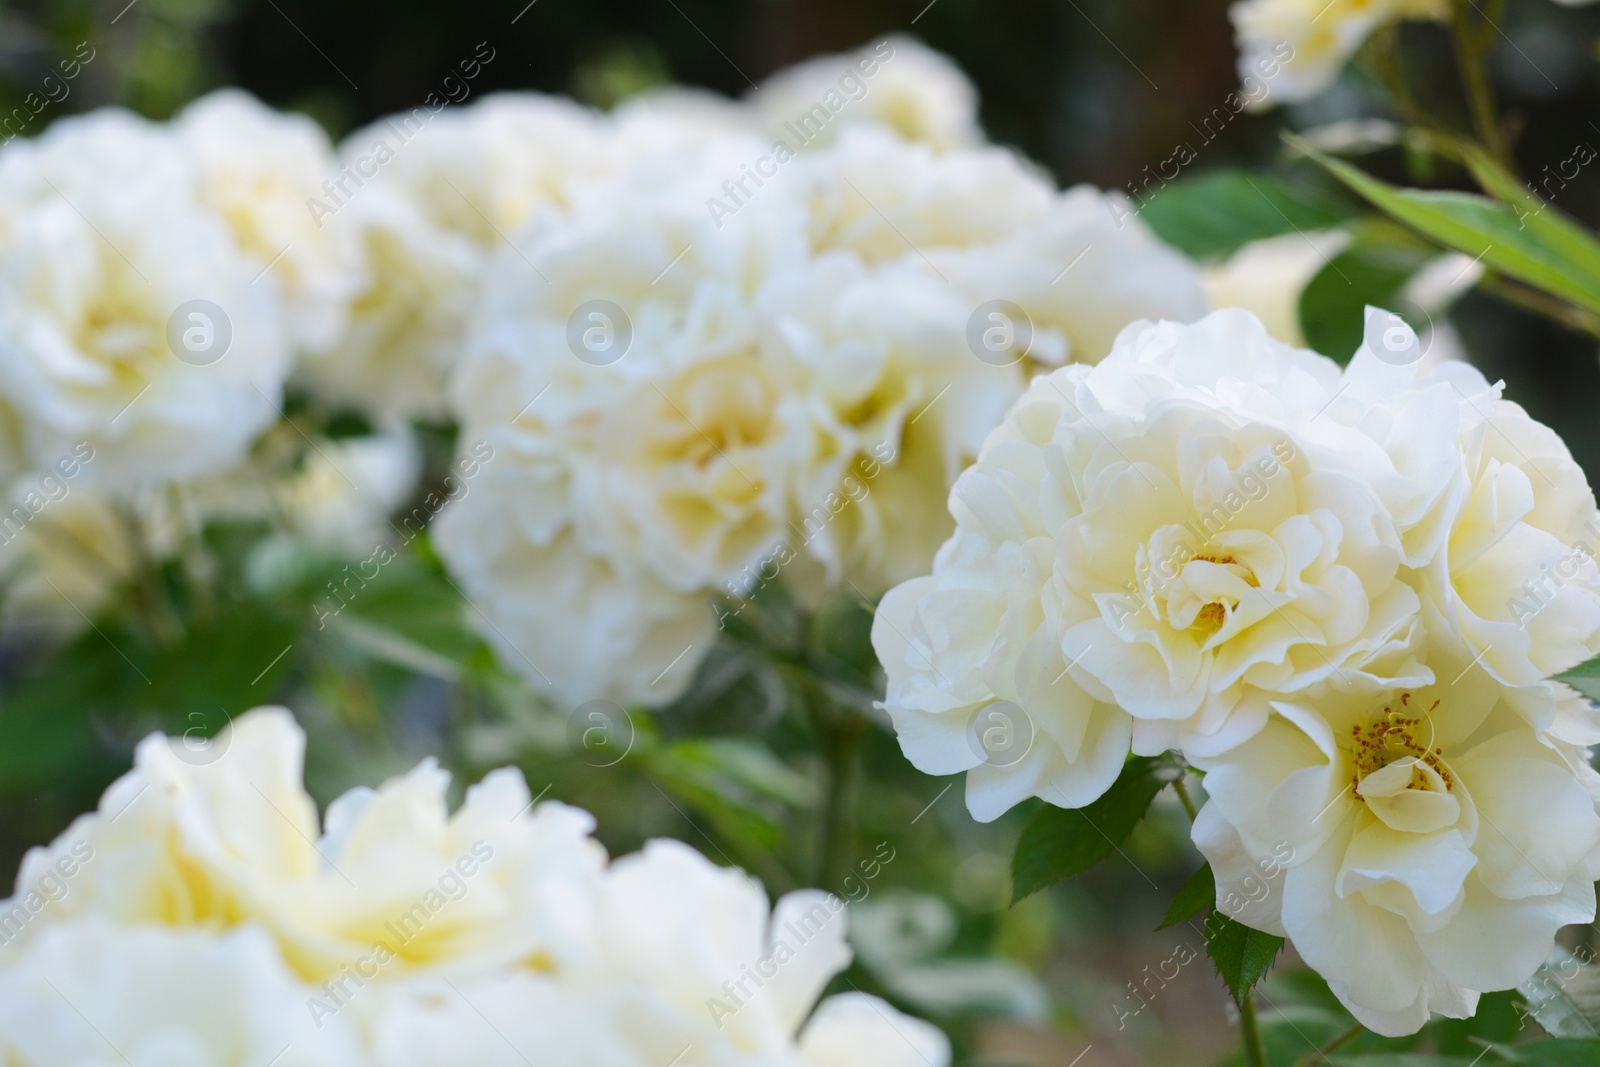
(201,916)
(769,350)
(706,340)
(1337,593)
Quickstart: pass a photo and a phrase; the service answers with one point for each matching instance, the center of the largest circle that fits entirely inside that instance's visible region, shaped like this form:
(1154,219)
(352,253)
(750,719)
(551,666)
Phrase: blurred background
(1095,91)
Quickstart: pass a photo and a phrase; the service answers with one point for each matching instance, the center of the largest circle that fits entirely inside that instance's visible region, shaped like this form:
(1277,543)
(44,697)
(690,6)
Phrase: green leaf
(1564,997)
(1404,1059)
(1242,955)
(1372,270)
(1563,1052)
(1545,250)
(1585,678)
(1198,893)
(1215,213)
(1058,843)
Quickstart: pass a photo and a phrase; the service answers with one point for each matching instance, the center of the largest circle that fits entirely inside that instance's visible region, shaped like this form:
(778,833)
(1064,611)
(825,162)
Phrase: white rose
(1081,270)
(344,492)
(1148,537)
(510,1018)
(105,245)
(88,993)
(64,552)
(430,196)
(896,82)
(222,832)
(887,199)
(260,170)
(1418,848)
(566,618)
(697,960)
(1292,50)
(1495,517)
(857,1030)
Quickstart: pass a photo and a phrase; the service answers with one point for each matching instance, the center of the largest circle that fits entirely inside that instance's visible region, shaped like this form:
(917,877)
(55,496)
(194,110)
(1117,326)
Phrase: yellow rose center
(1393,738)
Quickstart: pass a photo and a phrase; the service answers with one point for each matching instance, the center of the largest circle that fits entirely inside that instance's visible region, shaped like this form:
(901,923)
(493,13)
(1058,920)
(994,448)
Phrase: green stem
(1557,310)
(1472,48)
(1183,796)
(1316,1056)
(1255,1054)
(841,732)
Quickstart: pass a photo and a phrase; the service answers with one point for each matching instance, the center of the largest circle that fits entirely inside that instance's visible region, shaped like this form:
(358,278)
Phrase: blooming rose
(1432,844)
(1497,523)
(106,242)
(699,962)
(89,993)
(429,196)
(787,383)
(259,169)
(1151,537)
(409,928)
(572,622)
(896,82)
(1291,50)
(222,833)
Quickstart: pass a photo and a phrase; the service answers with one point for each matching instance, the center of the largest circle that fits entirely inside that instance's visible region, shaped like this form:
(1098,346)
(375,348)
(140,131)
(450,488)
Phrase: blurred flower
(704,381)
(204,871)
(428,195)
(896,82)
(128,317)
(341,498)
(1291,50)
(259,169)
(159,998)
(1266,278)
(1424,846)
(700,962)
(222,833)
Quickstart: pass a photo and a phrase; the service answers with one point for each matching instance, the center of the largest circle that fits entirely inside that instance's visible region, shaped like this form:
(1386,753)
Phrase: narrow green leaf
(1215,213)
(1562,1052)
(1058,843)
(1585,678)
(1544,251)
(1242,955)
(1564,997)
(1198,893)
